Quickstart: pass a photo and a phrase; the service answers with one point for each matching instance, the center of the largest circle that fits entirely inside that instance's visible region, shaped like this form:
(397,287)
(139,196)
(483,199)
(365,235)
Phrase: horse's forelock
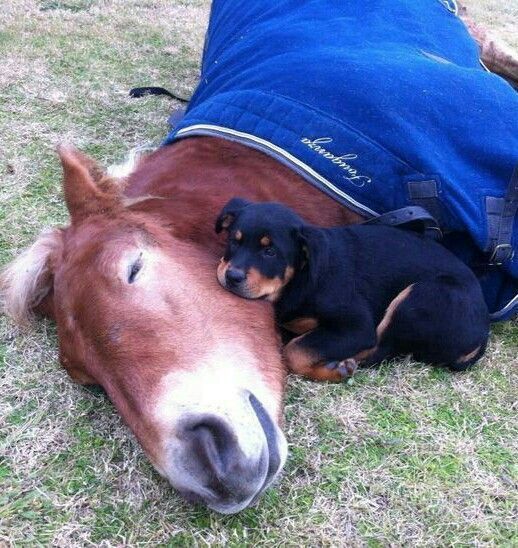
(27,280)
(131,162)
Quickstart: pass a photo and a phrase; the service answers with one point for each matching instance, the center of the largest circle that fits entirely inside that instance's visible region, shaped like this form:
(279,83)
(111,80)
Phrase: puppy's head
(263,249)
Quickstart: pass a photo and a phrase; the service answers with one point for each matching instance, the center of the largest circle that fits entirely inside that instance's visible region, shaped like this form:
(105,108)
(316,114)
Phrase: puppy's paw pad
(332,365)
(347,368)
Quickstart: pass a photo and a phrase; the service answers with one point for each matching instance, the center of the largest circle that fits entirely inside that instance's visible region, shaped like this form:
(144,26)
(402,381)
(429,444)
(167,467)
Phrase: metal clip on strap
(501,228)
(501,253)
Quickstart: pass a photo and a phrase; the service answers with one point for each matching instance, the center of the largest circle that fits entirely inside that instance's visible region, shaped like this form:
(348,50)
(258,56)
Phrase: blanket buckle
(501,253)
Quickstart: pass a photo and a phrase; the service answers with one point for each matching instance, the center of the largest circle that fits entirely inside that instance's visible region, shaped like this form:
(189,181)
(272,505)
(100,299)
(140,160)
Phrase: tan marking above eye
(265,241)
(238,235)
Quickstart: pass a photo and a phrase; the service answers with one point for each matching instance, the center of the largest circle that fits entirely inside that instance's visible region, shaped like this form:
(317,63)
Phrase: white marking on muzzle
(218,385)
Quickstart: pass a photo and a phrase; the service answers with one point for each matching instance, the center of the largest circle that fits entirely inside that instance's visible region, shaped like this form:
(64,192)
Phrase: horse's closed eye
(134,269)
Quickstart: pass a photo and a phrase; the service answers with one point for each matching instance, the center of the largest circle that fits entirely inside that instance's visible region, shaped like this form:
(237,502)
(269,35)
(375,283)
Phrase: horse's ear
(97,173)
(229,213)
(26,284)
(86,187)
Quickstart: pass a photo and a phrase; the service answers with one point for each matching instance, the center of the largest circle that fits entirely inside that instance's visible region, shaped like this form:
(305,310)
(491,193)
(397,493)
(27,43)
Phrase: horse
(194,371)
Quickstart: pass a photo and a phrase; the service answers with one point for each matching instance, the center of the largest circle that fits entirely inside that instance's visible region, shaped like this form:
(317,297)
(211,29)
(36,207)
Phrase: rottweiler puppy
(353,295)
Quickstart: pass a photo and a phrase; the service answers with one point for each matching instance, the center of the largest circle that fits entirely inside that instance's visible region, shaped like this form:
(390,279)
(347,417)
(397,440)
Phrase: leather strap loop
(411,217)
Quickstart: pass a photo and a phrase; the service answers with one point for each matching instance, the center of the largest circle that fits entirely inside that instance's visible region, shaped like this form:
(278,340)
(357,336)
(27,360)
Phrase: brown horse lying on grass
(194,371)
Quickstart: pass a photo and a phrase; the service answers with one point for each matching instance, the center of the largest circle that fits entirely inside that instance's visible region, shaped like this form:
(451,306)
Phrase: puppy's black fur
(371,292)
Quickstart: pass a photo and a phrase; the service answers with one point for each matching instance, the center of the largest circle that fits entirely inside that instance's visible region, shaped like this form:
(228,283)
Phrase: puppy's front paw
(346,368)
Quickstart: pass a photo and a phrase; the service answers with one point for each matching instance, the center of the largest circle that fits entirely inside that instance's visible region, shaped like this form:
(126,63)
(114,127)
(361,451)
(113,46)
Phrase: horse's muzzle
(222,474)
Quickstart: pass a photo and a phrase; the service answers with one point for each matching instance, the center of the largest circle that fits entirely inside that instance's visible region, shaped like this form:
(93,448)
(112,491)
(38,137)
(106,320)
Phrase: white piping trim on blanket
(483,65)
(451,5)
(286,155)
(499,313)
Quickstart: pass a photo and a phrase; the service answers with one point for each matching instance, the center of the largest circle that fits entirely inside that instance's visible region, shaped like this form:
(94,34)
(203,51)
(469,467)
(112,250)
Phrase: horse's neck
(197,176)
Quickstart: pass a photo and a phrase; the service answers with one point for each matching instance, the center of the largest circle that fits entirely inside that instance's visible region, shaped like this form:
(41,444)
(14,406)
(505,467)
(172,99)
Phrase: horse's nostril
(227,464)
(214,444)
(218,462)
(234,276)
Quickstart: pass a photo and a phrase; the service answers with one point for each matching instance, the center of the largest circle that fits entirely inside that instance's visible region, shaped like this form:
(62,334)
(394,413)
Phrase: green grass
(405,455)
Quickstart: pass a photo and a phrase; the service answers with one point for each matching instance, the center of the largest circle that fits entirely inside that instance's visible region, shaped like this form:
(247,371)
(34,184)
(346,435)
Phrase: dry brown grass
(407,455)
(499,17)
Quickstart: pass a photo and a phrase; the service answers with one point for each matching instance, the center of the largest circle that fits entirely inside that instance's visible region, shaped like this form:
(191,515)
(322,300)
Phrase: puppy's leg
(442,321)
(347,368)
(307,362)
(329,353)
(382,351)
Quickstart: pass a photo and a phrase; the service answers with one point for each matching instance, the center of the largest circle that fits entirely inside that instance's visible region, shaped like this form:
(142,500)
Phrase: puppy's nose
(234,276)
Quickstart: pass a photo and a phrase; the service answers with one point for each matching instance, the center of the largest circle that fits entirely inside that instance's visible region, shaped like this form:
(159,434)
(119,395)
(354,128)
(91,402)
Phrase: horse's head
(194,371)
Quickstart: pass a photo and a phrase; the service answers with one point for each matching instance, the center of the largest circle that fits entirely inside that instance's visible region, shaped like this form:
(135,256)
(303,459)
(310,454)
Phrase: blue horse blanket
(381,104)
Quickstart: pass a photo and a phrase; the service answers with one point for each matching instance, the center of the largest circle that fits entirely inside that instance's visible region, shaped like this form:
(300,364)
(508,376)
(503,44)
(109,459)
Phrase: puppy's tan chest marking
(301,325)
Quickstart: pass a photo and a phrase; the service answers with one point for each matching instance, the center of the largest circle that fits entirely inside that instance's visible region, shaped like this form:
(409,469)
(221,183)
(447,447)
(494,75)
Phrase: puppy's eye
(134,269)
(269,251)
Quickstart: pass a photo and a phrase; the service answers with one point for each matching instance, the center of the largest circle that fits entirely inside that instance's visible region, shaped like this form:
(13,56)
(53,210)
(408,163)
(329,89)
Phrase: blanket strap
(501,213)
(136,93)
(412,217)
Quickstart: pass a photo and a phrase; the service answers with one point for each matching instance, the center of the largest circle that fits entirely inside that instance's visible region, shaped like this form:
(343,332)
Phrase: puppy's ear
(314,249)
(229,213)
